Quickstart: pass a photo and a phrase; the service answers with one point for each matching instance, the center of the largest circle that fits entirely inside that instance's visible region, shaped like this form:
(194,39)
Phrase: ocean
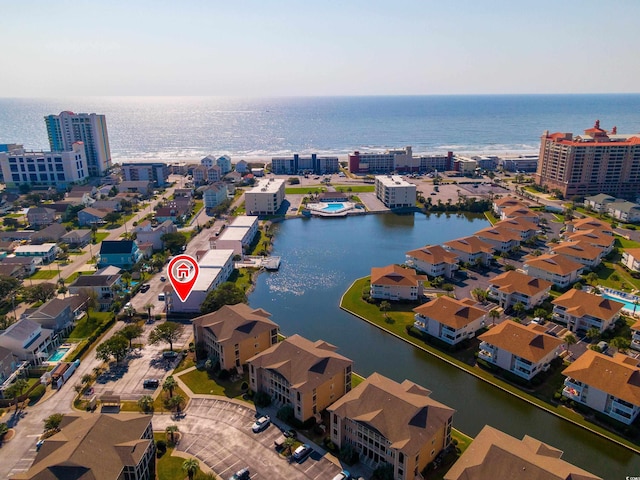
(189,128)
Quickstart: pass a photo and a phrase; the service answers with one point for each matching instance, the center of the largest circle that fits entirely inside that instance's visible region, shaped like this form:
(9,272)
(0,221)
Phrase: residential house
(97,446)
(495,455)
(581,311)
(433,260)
(145,248)
(308,376)
(91,216)
(233,177)
(594,237)
(522,350)
(143,187)
(59,314)
(521,225)
(53,233)
(103,283)
(27,265)
(17,236)
(502,239)
(514,287)
(608,385)
(111,205)
(242,167)
(176,211)
(449,319)
(80,191)
(631,259)
(635,335)
(394,282)
(29,341)
(41,217)
(581,252)
(471,250)
(77,238)
(15,271)
(235,333)
(183,192)
(123,254)
(392,423)
(199,175)
(598,202)
(47,252)
(145,233)
(224,162)
(214,195)
(556,269)
(624,211)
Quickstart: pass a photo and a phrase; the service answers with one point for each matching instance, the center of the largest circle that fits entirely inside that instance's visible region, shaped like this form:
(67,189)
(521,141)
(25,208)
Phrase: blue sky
(285,47)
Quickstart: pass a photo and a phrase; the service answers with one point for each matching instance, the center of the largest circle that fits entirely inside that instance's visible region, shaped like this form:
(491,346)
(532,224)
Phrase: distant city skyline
(294,48)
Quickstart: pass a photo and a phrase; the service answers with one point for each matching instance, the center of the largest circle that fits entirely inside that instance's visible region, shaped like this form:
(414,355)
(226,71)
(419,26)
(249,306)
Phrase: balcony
(486,355)
(572,389)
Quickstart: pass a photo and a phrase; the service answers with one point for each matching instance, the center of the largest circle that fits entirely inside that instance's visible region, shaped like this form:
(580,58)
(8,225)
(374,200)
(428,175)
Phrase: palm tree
(494,314)
(191,466)
(385,307)
(169,384)
(148,307)
(16,389)
(171,430)
(593,333)
(569,339)
(175,403)
(518,308)
(146,403)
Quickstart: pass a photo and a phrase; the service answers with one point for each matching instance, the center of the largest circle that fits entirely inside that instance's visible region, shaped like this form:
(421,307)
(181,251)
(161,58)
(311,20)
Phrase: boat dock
(268,263)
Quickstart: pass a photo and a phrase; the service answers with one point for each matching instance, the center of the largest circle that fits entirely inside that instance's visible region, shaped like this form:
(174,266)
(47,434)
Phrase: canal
(322,257)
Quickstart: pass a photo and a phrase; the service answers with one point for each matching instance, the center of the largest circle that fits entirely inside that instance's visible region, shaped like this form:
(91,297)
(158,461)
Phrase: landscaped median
(396,322)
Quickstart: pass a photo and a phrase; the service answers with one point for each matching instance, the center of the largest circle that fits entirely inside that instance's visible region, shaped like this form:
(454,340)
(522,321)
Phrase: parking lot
(218,433)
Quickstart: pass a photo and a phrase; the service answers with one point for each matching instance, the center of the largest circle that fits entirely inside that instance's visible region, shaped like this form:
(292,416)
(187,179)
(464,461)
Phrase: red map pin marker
(183,272)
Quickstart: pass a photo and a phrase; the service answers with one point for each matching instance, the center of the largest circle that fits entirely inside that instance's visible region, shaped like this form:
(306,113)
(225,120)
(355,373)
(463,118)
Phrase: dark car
(302,452)
(241,474)
(151,383)
(145,287)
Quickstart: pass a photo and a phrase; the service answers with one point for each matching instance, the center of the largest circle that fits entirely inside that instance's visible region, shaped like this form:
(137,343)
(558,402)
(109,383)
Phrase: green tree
(10,223)
(175,403)
(479,294)
(112,217)
(145,404)
(148,307)
(116,346)
(385,307)
(169,385)
(226,294)
(52,422)
(621,343)
(4,429)
(592,278)
(593,333)
(541,312)
(174,241)
(569,339)
(494,314)
(40,292)
(171,430)
(16,389)
(190,466)
(8,285)
(130,332)
(167,332)
(519,308)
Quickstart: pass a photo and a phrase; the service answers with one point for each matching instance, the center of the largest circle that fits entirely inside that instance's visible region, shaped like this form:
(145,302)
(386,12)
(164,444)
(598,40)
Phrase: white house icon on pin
(183,272)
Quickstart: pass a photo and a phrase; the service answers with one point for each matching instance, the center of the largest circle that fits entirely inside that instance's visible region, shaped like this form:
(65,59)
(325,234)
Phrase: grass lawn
(44,275)
(622,242)
(71,278)
(491,217)
(100,236)
(308,190)
(355,188)
(89,324)
(168,467)
(199,381)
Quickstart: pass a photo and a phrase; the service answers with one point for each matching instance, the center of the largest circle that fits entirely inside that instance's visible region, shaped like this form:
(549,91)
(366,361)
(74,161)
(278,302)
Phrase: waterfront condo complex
(91,129)
(599,161)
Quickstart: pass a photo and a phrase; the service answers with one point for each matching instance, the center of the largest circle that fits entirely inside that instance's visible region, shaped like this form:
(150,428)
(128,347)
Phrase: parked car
(241,474)
(261,423)
(145,287)
(343,475)
(151,383)
(302,452)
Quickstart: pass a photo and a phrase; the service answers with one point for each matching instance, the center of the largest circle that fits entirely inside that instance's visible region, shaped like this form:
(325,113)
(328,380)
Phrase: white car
(261,423)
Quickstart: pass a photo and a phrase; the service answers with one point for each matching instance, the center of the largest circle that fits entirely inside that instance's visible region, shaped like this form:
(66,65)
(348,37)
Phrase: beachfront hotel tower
(596,162)
(91,129)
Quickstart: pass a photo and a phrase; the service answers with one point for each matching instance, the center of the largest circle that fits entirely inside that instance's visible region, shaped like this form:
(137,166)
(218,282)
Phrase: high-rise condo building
(596,162)
(91,129)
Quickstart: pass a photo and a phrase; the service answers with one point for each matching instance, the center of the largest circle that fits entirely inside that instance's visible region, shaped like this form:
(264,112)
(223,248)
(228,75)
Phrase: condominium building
(557,269)
(392,423)
(298,164)
(156,173)
(265,198)
(308,376)
(44,169)
(395,192)
(394,282)
(582,311)
(513,287)
(449,319)
(91,129)
(596,162)
(385,162)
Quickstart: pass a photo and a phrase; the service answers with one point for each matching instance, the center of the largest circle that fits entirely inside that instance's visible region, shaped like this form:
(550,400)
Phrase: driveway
(218,433)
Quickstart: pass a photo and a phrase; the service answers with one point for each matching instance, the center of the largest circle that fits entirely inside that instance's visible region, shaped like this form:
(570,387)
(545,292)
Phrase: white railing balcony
(486,355)
(422,326)
(572,393)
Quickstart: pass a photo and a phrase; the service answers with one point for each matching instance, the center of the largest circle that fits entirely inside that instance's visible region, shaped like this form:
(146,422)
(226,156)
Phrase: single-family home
(46,252)
(235,333)
(77,238)
(608,385)
(98,446)
(581,311)
(308,376)
(594,237)
(176,211)
(111,205)
(90,216)
(143,187)
(183,192)
(14,271)
(29,341)
(514,287)
(27,265)
(522,226)
(624,211)
(556,269)
(233,177)
(242,167)
(522,350)
(580,251)
(471,250)
(392,423)
(145,233)
(598,202)
(41,216)
(502,239)
(104,282)
(494,454)
(433,260)
(394,282)
(214,195)
(59,314)
(449,319)
(123,254)
(51,233)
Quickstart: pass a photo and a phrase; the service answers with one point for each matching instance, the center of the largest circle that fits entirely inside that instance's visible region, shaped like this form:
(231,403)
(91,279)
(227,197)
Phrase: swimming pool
(628,305)
(58,354)
(333,207)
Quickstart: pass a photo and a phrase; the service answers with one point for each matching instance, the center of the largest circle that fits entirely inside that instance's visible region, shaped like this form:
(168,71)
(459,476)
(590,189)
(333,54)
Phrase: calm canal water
(322,257)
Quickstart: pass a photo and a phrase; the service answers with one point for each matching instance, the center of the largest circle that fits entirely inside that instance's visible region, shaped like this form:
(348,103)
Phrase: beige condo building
(265,198)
